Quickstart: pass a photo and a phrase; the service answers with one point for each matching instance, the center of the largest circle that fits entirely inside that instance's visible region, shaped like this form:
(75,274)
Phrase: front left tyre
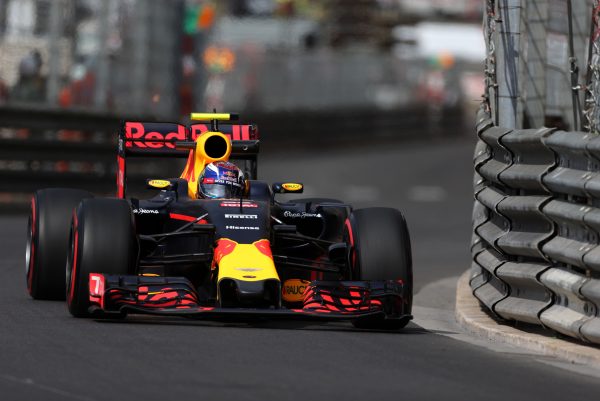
(381,251)
(48,241)
(103,240)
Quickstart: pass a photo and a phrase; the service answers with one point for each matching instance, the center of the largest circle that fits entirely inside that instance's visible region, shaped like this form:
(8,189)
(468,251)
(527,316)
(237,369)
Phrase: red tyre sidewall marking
(31,246)
(121,177)
(351,238)
(74,264)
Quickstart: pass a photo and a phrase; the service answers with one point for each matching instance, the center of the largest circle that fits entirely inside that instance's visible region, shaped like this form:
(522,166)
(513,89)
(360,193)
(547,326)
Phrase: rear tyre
(48,241)
(381,251)
(103,240)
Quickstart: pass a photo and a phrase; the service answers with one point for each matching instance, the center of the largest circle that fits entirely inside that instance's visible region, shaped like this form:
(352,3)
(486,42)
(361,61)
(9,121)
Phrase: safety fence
(536,227)
(541,65)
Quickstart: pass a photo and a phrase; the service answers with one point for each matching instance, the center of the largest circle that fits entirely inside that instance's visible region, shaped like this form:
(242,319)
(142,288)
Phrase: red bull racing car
(251,256)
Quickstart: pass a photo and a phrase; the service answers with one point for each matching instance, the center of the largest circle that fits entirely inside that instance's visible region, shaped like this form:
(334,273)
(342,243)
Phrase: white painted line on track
(361,193)
(427,193)
(29,382)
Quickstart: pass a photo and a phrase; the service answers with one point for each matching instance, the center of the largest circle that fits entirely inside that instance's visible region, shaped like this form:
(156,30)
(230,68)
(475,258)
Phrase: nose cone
(249,294)
(246,274)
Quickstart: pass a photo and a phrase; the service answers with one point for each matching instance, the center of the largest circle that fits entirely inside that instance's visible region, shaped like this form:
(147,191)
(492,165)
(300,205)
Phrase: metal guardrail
(536,227)
(41,148)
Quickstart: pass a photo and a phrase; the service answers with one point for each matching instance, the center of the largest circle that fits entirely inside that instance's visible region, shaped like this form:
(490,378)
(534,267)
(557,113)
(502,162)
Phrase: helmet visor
(220,189)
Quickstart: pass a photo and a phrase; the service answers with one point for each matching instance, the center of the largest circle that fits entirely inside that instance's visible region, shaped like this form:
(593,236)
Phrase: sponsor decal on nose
(245,204)
(241,228)
(293,290)
(241,216)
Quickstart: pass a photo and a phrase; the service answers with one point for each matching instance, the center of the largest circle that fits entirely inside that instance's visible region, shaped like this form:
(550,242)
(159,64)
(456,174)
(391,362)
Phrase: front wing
(176,296)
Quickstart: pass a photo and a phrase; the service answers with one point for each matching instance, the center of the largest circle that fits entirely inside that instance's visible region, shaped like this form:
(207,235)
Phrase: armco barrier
(536,227)
(41,148)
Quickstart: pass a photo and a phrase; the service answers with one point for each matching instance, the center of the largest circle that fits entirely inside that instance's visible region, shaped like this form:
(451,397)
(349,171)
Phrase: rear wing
(145,139)
(140,139)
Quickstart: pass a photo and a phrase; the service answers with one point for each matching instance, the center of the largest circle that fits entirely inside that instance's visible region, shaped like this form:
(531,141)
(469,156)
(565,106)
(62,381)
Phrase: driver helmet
(221,180)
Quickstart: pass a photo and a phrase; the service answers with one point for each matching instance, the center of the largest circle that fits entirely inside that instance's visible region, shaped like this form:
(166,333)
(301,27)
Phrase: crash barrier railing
(57,148)
(41,147)
(536,227)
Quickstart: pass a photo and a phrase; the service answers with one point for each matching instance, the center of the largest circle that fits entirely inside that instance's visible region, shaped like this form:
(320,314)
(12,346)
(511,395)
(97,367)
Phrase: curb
(475,320)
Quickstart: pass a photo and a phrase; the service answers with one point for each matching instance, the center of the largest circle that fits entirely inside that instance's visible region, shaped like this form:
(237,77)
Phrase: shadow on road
(411,329)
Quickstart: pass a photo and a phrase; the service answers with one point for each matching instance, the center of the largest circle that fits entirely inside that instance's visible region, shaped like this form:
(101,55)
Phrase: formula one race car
(247,257)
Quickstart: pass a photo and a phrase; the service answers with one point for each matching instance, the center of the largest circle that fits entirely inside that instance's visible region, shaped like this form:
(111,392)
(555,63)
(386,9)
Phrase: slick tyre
(381,251)
(48,241)
(103,240)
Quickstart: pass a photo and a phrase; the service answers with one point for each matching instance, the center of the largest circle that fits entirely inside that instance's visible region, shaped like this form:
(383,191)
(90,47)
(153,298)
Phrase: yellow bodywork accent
(293,290)
(159,183)
(198,159)
(210,116)
(292,186)
(247,263)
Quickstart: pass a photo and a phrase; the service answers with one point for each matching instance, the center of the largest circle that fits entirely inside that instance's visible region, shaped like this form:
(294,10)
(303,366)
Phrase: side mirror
(287,188)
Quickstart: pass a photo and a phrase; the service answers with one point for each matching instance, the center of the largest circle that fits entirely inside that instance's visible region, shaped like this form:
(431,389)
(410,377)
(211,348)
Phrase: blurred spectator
(80,91)
(31,85)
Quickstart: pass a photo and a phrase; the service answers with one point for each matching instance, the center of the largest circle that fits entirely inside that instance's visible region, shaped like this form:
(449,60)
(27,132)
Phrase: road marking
(441,321)
(361,193)
(29,382)
(427,193)
(429,315)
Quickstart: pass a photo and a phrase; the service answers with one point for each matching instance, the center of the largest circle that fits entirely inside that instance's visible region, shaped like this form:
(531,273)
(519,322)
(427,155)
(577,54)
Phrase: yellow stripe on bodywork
(210,116)
(247,263)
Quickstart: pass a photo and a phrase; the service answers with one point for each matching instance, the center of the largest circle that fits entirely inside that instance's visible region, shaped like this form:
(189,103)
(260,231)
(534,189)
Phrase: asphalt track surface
(45,354)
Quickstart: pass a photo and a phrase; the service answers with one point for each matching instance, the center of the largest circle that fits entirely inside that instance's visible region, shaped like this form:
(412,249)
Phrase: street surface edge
(473,319)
